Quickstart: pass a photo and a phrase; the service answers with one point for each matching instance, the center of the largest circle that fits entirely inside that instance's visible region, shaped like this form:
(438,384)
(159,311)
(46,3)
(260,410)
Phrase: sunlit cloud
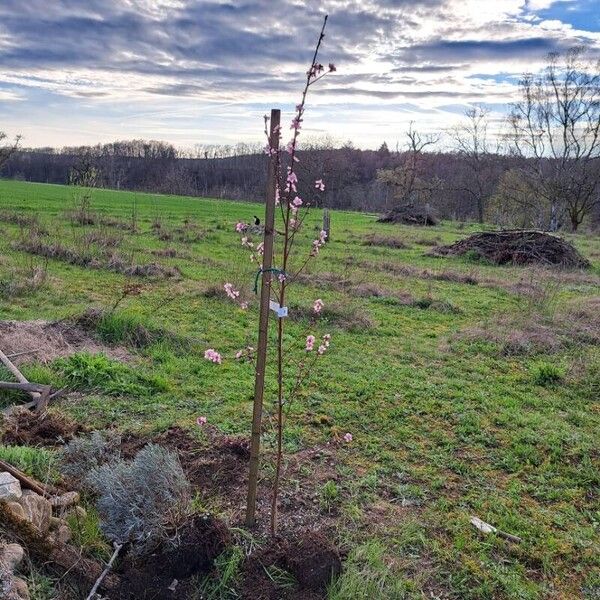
(75,71)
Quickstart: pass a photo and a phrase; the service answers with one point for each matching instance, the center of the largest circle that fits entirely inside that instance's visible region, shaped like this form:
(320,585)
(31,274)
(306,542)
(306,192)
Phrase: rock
(10,488)
(80,512)
(65,500)
(38,510)
(63,534)
(55,523)
(21,588)
(11,555)
(16,510)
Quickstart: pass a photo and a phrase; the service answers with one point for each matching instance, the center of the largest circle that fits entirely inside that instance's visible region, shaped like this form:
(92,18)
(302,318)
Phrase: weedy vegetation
(468,389)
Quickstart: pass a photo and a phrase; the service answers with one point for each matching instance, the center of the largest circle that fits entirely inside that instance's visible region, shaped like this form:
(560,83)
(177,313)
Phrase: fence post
(265,295)
(327,224)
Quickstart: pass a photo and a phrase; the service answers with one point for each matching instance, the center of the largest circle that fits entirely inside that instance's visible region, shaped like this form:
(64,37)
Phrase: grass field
(469,389)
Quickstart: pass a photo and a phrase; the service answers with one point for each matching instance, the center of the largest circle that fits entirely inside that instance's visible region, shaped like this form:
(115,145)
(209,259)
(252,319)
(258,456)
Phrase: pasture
(469,389)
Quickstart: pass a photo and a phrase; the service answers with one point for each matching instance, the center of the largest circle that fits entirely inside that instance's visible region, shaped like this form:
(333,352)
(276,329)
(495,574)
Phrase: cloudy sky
(205,71)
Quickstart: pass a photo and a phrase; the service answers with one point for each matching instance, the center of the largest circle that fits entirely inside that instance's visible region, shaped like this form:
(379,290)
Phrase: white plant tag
(280,311)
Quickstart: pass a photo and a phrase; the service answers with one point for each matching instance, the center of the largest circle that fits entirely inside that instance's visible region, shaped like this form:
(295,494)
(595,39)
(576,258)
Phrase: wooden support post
(327,224)
(265,296)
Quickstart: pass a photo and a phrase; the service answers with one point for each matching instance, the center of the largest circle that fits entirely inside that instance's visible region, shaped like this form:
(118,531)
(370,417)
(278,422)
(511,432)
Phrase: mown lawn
(447,423)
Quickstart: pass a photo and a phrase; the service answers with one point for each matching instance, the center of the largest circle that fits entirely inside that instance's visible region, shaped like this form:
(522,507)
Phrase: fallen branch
(27,482)
(22,353)
(487,528)
(104,573)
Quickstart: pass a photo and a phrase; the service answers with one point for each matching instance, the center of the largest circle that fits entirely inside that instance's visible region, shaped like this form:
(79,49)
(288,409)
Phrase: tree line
(543,172)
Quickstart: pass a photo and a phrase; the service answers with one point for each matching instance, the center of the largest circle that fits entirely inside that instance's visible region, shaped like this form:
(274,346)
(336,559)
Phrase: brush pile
(516,247)
(409,214)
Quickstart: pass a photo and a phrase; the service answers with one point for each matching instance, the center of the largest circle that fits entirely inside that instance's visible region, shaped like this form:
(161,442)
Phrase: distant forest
(363,180)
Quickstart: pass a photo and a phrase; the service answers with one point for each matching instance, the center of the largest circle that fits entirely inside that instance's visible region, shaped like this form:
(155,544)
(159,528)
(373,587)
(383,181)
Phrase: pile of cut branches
(517,247)
(409,214)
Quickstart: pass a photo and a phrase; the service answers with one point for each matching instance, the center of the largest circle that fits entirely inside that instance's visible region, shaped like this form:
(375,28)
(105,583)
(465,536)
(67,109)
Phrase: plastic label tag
(280,311)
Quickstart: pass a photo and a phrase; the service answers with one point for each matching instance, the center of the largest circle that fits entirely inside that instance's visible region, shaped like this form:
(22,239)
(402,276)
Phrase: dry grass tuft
(542,332)
(375,239)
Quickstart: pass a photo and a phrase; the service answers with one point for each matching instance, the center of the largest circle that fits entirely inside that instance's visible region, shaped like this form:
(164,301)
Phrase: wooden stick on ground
(17,374)
(40,395)
(104,573)
(487,528)
(27,482)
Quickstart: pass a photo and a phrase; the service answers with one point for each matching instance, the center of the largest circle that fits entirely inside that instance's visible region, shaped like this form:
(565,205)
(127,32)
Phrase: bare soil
(26,428)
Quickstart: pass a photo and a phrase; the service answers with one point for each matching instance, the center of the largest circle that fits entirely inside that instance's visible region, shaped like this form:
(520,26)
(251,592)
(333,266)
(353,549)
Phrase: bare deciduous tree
(472,143)
(7,150)
(556,126)
(409,187)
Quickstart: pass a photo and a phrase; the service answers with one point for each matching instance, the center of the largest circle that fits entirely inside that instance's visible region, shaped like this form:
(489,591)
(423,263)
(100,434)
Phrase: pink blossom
(260,248)
(243,305)
(281,277)
(231,291)
(326,340)
(348,437)
(201,421)
(322,236)
(318,305)
(296,123)
(320,185)
(240,227)
(294,223)
(239,354)
(292,177)
(310,342)
(290,146)
(322,349)
(213,356)
(297,201)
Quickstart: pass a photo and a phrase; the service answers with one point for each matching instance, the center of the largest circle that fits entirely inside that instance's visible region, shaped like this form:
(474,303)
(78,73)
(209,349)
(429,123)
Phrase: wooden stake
(18,375)
(265,296)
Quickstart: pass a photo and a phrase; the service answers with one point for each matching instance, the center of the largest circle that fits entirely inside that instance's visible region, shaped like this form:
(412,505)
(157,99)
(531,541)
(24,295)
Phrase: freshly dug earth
(309,557)
(25,428)
(409,214)
(45,341)
(165,574)
(516,247)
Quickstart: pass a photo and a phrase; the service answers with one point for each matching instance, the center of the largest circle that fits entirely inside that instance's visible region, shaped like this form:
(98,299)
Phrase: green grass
(444,425)
(36,462)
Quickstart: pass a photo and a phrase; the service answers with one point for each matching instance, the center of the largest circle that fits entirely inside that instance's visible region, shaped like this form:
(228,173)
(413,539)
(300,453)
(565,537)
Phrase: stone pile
(46,515)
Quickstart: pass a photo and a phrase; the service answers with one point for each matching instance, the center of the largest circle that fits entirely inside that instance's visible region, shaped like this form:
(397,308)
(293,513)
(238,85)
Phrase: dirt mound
(44,341)
(25,428)
(516,247)
(409,214)
(222,465)
(310,558)
(164,574)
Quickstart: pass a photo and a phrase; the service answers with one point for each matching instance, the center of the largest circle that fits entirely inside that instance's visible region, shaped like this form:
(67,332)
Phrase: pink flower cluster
(248,351)
(241,227)
(231,291)
(292,180)
(213,356)
(319,185)
(310,343)
(348,437)
(200,421)
(318,305)
(323,347)
(318,243)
